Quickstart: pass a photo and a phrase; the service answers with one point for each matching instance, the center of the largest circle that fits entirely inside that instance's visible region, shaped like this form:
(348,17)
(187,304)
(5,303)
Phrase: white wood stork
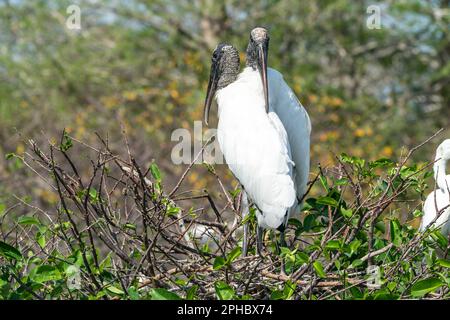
(253,142)
(280,99)
(438,201)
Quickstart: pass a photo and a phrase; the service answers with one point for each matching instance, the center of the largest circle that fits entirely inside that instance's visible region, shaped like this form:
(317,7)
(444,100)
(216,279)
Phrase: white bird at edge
(280,99)
(253,142)
(438,201)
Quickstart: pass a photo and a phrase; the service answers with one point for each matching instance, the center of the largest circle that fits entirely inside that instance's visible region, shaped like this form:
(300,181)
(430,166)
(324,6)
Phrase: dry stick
(183,176)
(72,195)
(59,180)
(321,284)
(377,252)
(174,271)
(148,246)
(88,222)
(343,289)
(375,212)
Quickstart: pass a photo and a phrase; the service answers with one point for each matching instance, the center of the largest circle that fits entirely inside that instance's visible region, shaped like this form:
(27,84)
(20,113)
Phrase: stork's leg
(283,231)
(244,212)
(283,243)
(259,240)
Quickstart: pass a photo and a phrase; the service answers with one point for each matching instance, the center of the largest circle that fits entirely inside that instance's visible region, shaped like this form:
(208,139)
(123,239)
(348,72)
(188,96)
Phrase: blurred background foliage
(142,67)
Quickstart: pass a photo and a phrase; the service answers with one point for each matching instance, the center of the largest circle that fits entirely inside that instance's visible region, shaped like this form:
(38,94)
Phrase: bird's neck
(230,70)
(439,171)
(251,59)
(226,79)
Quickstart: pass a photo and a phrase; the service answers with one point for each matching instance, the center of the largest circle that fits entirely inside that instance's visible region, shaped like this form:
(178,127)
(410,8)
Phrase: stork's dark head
(224,70)
(257,51)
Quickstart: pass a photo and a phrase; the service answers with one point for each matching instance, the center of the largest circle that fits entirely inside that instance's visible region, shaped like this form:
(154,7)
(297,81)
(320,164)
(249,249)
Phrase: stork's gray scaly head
(224,71)
(257,51)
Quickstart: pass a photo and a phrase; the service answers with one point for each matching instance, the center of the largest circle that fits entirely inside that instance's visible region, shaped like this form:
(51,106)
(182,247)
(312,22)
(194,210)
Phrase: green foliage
(364,90)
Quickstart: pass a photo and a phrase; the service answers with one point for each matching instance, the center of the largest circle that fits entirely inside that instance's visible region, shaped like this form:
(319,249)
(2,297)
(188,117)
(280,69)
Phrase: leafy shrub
(117,233)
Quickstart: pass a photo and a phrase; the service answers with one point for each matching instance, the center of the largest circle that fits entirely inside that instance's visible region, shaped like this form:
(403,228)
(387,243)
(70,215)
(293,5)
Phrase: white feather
(440,198)
(256,148)
(297,124)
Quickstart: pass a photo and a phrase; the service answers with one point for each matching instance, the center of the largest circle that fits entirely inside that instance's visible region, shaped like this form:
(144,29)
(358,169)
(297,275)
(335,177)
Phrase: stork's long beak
(212,87)
(263,49)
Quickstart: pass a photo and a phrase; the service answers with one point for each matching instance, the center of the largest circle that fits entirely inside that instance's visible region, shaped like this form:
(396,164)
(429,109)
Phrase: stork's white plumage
(438,201)
(297,124)
(281,100)
(253,142)
(256,149)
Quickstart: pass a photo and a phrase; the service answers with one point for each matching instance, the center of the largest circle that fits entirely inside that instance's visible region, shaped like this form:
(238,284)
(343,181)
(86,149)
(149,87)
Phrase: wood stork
(438,201)
(280,99)
(253,142)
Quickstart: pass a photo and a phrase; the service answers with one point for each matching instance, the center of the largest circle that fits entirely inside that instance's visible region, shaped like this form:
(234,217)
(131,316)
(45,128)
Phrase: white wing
(256,150)
(441,199)
(296,121)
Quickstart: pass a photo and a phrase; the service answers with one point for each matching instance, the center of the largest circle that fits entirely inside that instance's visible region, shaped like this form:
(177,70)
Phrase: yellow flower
(359,133)
(336,102)
(313,98)
(193,177)
(20,149)
(387,151)
(130,95)
(109,102)
(334,117)
(174,94)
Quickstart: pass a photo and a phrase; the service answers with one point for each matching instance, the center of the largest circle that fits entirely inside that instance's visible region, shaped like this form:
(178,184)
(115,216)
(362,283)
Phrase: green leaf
(357,263)
(441,240)
(114,290)
(327,201)
(277,295)
(386,296)
(383,162)
(155,171)
(219,262)
(333,244)
(66,142)
(93,194)
(444,263)
(422,287)
(223,291)
(172,210)
(9,251)
(324,182)
(341,182)
(395,232)
(9,156)
(129,226)
(354,245)
(347,213)
(40,239)
(309,221)
(192,292)
(289,289)
(163,294)
(236,252)
(380,226)
(46,273)
(302,257)
(27,220)
(417,213)
(133,293)
(319,269)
